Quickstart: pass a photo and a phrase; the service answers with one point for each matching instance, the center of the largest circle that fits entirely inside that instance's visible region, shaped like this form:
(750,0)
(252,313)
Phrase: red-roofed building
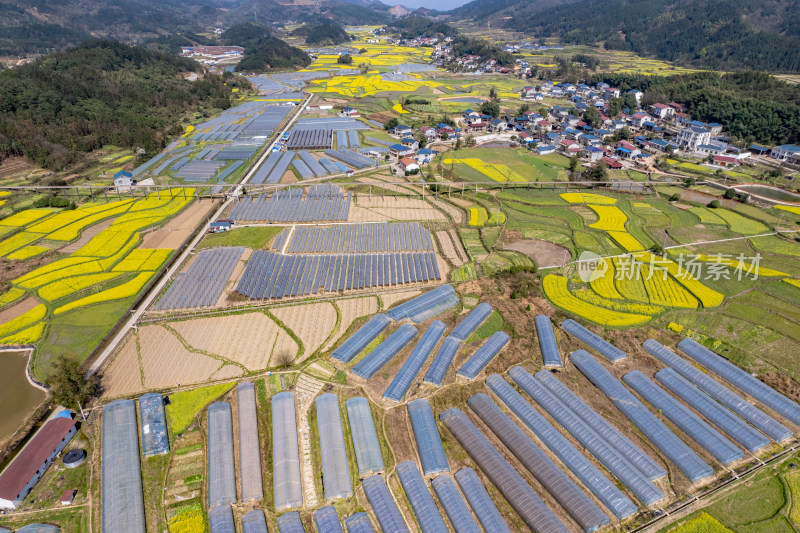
(408,164)
(67,496)
(29,466)
(613,164)
(726,161)
(662,111)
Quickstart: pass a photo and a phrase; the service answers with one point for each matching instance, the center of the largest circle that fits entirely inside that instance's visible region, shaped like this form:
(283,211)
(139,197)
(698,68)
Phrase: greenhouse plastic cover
(687,461)
(37,528)
(441,361)
(254,522)
(402,381)
(617,464)
(251,484)
(691,424)
(483,355)
(335,471)
(361,338)
(640,460)
(365,439)
(288,489)
(582,509)
(426,435)
(742,380)
(290,523)
(605,491)
(472,321)
(600,345)
(454,505)
(383,505)
(732,425)
(771,427)
(220,518)
(428,516)
(547,341)
(359,523)
(154,425)
(327,521)
(123,503)
(480,501)
(426,305)
(221,474)
(516,491)
(384,352)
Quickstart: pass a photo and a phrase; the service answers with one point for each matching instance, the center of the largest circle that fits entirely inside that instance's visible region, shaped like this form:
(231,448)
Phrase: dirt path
(306,390)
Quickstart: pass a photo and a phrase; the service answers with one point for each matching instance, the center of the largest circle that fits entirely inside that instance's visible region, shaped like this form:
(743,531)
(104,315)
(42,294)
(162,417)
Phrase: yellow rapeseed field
(125,290)
(587,198)
(555,288)
(611,218)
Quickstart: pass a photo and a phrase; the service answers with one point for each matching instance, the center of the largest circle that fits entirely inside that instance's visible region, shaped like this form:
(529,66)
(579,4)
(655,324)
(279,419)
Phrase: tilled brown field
(391,298)
(350,310)
(123,376)
(177,230)
(312,323)
(384,208)
(448,249)
(248,339)
(167,362)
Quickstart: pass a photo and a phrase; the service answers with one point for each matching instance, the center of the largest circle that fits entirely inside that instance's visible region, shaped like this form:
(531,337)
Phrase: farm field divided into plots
(110,264)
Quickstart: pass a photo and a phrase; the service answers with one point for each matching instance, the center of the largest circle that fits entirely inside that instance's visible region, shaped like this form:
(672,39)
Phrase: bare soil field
(86,236)
(391,298)
(15,310)
(544,253)
(452,252)
(122,376)
(15,165)
(168,363)
(248,339)
(312,323)
(384,208)
(350,310)
(454,212)
(177,230)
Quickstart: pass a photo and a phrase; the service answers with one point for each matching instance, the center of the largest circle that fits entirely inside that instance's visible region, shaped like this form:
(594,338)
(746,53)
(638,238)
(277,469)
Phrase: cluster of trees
(462,45)
(99,93)
(326,34)
(719,34)
(751,106)
(263,52)
(416,26)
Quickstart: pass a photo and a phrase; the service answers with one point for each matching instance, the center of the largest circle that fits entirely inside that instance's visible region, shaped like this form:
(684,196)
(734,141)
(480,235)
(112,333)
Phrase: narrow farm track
(169,274)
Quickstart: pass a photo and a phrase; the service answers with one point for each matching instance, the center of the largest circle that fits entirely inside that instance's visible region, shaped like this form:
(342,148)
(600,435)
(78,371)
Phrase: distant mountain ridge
(718,34)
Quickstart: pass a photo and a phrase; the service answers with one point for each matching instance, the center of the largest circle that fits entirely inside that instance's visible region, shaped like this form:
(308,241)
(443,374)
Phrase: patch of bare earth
(16,310)
(312,323)
(544,253)
(177,230)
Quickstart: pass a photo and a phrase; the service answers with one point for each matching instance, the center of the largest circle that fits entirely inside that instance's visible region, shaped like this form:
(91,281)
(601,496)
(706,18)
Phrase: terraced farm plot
(251,340)
(740,223)
(611,218)
(587,198)
(123,376)
(312,323)
(452,250)
(392,208)
(350,310)
(555,288)
(473,244)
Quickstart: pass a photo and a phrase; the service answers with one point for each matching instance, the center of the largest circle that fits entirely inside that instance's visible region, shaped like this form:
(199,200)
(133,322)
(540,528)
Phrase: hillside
(717,34)
(40,26)
(99,93)
(326,34)
(263,52)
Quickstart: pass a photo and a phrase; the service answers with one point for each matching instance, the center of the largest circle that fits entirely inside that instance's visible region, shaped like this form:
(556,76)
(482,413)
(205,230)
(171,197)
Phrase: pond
(17,396)
(770,193)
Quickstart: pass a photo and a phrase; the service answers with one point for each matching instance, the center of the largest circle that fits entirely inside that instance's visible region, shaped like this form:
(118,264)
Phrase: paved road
(170,272)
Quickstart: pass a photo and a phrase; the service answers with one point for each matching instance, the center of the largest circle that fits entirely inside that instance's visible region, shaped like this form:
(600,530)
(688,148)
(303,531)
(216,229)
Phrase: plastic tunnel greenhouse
(481,503)
(288,490)
(335,471)
(365,439)
(123,502)
(426,435)
(249,449)
(428,516)
(221,474)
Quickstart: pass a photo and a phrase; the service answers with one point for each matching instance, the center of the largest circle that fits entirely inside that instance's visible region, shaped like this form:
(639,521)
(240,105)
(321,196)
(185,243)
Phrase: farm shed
(154,425)
(29,466)
(123,503)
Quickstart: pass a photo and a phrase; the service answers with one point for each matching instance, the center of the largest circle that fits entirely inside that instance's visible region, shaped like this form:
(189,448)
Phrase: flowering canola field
(110,254)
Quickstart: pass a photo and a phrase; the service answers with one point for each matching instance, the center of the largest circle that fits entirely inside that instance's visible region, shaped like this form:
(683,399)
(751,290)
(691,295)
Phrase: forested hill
(41,26)
(717,34)
(263,52)
(100,92)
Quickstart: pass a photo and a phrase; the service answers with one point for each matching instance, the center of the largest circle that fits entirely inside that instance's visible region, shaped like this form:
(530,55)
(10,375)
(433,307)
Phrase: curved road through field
(168,274)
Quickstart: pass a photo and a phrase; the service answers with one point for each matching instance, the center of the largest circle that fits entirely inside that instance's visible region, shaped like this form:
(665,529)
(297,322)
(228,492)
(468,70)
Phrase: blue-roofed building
(593,153)
(758,149)
(400,150)
(123,178)
(544,149)
(786,152)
